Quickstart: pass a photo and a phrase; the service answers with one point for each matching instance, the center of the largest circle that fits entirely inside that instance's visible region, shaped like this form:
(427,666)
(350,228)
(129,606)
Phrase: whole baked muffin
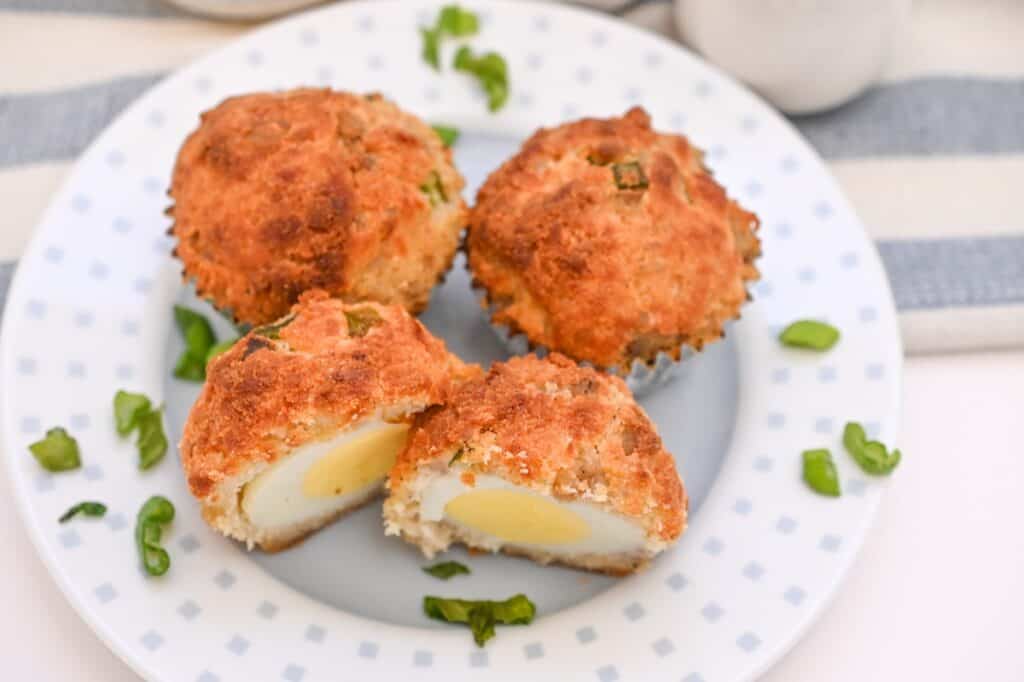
(542,458)
(610,242)
(277,193)
(300,420)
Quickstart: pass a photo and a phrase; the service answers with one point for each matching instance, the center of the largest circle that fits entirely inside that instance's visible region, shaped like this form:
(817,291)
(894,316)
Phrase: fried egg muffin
(301,420)
(277,193)
(541,458)
(610,242)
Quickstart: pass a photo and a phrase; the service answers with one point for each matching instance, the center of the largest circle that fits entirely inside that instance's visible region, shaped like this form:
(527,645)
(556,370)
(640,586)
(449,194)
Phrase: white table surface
(937,593)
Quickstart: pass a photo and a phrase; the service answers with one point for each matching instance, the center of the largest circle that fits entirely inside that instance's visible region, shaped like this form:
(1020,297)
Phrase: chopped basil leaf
(456,457)
(199,338)
(481,615)
(87,508)
(491,72)
(431,47)
(434,189)
(871,456)
(361,321)
(629,175)
(457,22)
(446,569)
(152,441)
(128,408)
(820,472)
(809,334)
(447,134)
(57,451)
(156,512)
(217,349)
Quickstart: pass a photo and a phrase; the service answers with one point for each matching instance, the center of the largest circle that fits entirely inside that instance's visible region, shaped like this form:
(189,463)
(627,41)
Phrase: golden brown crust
(277,193)
(564,430)
(605,274)
(266,396)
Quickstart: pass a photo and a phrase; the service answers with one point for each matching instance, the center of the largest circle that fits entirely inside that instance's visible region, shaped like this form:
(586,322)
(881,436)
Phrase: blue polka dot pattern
(237,645)
(152,640)
(189,610)
(105,593)
(712,612)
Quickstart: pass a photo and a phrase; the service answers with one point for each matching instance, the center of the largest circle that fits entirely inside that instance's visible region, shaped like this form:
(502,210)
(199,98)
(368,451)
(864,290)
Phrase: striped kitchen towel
(932,158)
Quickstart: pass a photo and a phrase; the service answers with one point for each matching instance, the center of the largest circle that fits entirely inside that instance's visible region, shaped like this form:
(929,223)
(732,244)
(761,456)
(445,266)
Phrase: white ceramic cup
(803,55)
(242,9)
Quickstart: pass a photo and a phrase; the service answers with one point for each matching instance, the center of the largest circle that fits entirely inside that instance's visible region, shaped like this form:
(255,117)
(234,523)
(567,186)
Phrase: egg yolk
(517,517)
(355,464)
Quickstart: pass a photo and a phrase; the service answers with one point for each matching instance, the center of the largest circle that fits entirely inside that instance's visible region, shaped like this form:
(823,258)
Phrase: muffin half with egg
(301,420)
(277,193)
(610,242)
(541,458)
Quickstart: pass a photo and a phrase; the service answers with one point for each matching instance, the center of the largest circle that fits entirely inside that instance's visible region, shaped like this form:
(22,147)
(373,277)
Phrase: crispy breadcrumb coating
(608,241)
(321,370)
(277,193)
(562,430)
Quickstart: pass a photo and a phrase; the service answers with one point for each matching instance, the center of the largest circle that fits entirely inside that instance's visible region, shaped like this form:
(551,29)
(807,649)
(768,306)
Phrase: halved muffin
(277,193)
(301,420)
(610,242)
(541,458)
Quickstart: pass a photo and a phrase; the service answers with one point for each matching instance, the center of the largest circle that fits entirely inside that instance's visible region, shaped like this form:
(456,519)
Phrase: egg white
(275,500)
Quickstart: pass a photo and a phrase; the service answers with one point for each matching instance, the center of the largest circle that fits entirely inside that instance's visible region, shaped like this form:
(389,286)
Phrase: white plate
(89,313)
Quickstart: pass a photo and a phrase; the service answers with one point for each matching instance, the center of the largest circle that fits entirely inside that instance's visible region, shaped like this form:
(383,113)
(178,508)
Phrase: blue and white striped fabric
(932,158)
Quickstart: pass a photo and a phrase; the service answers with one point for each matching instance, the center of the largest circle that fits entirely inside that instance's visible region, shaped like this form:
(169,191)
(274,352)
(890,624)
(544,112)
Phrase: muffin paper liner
(642,378)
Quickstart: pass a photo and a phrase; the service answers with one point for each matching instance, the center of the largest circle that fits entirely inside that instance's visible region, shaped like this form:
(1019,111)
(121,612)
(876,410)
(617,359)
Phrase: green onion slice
(457,22)
(152,441)
(629,175)
(199,338)
(87,508)
(361,321)
(447,134)
(490,70)
(871,456)
(434,190)
(810,334)
(218,349)
(154,514)
(446,569)
(820,472)
(481,615)
(128,408)
(57,451)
